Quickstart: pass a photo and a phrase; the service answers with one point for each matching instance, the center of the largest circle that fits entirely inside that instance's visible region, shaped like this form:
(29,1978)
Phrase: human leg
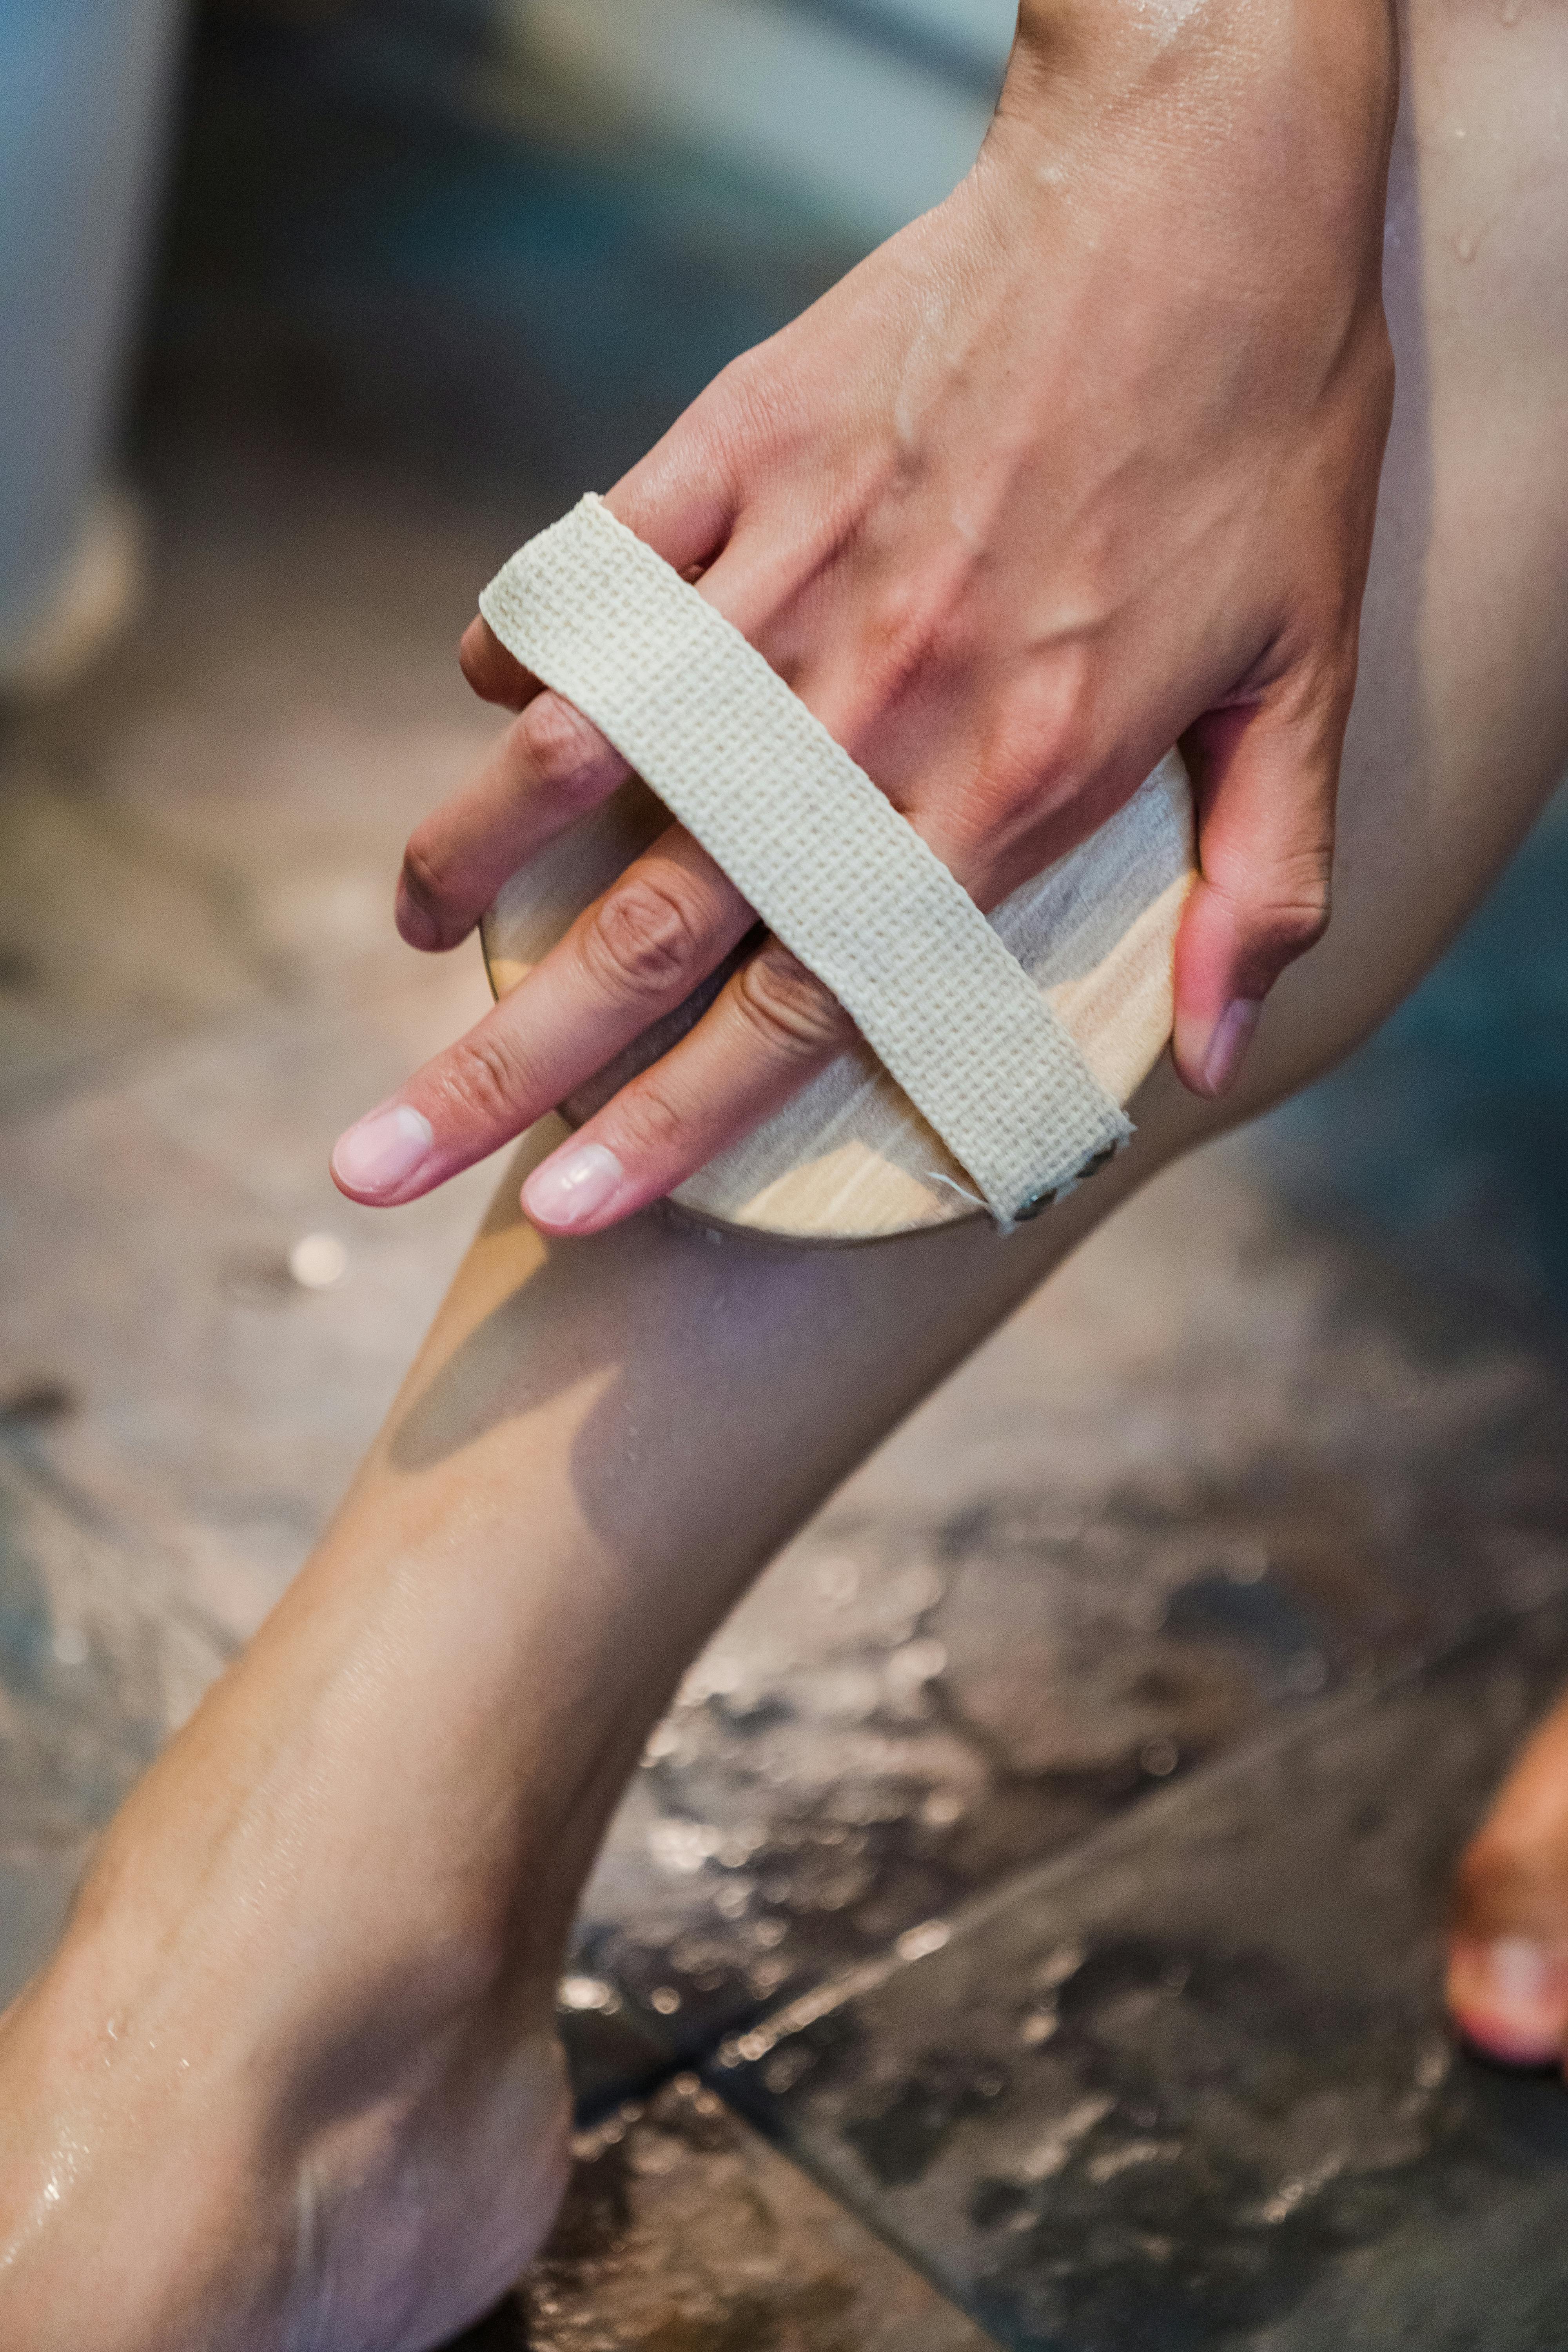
(290,2079)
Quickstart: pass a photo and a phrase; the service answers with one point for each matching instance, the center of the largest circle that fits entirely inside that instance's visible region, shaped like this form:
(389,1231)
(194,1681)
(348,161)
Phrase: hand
(1079,464)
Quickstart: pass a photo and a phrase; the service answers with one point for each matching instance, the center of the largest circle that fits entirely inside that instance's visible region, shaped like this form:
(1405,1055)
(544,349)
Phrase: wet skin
(291,2081)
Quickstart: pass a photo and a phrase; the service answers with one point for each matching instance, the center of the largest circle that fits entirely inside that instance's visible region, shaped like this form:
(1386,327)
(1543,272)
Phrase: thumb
(1266,779)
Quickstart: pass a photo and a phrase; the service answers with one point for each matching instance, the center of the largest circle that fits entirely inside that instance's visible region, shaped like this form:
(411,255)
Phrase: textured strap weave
(806,837)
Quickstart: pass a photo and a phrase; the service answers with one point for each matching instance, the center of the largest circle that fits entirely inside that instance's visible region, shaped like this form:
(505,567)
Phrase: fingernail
(1510,1996)
(382,1150)
(571,1188)
(1231,1037)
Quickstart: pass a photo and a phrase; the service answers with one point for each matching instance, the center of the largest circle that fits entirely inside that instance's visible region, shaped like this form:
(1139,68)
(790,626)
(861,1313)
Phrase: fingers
(1266,781)
(550,767)
(772,1026)
(627,961)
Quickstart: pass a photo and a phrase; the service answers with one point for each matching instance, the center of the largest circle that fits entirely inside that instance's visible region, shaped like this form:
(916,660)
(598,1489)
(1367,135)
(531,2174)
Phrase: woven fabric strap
(806,837)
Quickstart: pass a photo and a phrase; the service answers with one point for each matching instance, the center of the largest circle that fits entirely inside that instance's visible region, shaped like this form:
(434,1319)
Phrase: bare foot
(290,2083)
(1508,1964)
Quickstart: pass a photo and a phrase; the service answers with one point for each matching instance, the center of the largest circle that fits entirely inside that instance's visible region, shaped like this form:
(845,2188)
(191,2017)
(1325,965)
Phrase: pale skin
(291,2081)
(1084,461)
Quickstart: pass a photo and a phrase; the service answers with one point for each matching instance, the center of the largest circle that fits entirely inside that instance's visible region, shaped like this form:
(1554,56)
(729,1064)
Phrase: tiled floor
(1049,1853)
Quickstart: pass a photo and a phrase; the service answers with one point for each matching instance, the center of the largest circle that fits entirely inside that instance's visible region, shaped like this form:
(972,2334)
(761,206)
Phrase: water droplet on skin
(1159,1757)
(665,1999)
(1509,12)
(1465,245)
(69,1647)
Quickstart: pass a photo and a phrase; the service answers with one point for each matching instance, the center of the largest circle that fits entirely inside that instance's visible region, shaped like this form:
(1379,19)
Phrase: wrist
(1212,109)
(1212,71)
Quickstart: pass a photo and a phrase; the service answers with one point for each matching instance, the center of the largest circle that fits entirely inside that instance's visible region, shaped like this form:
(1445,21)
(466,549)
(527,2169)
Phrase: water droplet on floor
(318,1261)
(1432,2066)
(665,1999)
(683,1847)
(1159,1757)
(915,1943)
(1057,1966)
(662,1741)
(587,1994)
(916,1663)
(837,1581)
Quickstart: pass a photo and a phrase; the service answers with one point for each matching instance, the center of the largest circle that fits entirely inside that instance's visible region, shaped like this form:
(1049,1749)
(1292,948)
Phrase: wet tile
(209,1397)
(1446,1135)
(1221,1470)
(682,2231)
(102,1654)
(217,823)
(86,975)
(35,1897)
(1189,2087)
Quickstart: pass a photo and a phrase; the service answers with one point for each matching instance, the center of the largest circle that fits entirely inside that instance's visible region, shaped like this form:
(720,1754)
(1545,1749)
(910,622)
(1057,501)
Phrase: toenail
(1510,1995)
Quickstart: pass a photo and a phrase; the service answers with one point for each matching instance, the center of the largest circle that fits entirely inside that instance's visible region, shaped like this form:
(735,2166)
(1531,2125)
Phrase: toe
(1508,1997)
(1508,1954)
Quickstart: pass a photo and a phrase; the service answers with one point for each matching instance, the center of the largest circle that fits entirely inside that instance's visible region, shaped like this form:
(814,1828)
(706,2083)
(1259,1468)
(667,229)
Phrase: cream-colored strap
(825,858)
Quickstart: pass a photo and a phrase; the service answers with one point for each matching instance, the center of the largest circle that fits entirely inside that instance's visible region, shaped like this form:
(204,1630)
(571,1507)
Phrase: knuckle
(1294,921)
(486,1080)
(1045,737)
(648,1127)
(566,749)
(424,874)
(794,1016)
(643,939)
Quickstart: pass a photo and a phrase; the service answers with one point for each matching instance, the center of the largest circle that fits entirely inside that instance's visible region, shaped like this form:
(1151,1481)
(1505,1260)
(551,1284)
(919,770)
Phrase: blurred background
(1248,1540)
